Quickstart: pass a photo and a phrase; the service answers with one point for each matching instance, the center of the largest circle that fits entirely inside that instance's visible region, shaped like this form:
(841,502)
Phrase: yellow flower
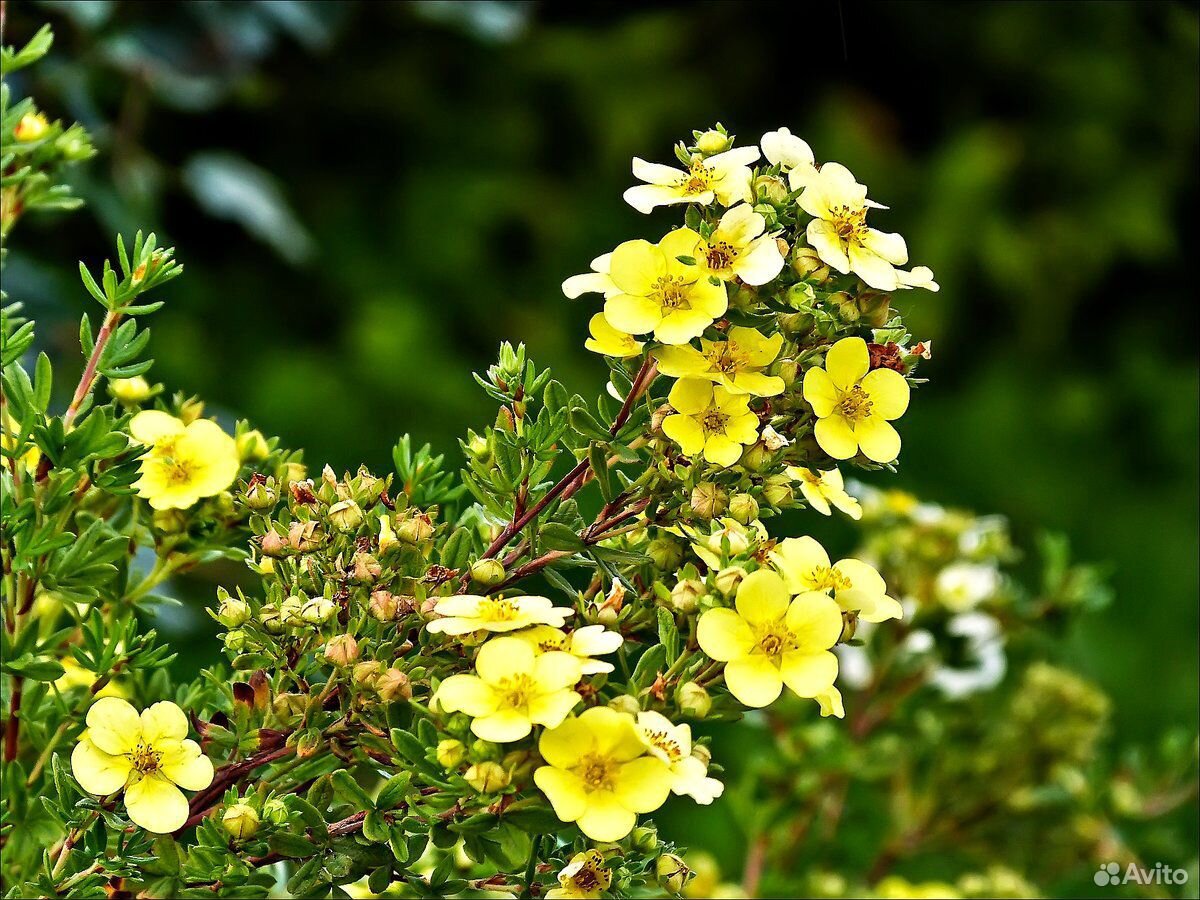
(791,154)
(596,281)
(514,688)
(598,774)
(771,639)
(839,232)
(185,462)
(737,248)
(724,178)
(673,745)
(147,755)
(710,419)
(896,888)
(831,703)
(583,878)
(854,584)
(659,293)
(854,406)
(32,127)
(735,363)
(464,613)
(821,489)
(608,341)
(917,277)
(131,391)
(9,430)
(582,643)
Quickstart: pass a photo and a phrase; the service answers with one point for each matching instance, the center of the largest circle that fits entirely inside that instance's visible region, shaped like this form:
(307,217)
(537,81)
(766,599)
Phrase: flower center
(498,609)
(516,690)
(178,471)
(698,180)
(855,404)
(598,772)
(724,358)
(713,421)
(666,744)
(829,578)
(774,638)
(586,879)
(670,292)
(720,256)
(144,758)
(850,224)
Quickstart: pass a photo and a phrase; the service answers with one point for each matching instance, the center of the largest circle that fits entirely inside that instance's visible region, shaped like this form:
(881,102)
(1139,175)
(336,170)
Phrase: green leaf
(668,634)
(293,846)
(35,668)
(350,790)
(557,536)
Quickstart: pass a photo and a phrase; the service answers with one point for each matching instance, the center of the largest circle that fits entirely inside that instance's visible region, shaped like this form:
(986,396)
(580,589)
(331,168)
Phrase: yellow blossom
(724,177)
(514,688)
(791,154)
(823,489)
(735,363)
(831,703)
(854,584)
(131,391)
(608,341)
(464,613)
(598,773)
(918,277)
(737,248)
(854,404)
(711,420)
(658,293)
(147,755)
(771,639)
(839,233)
(9,431)
(583,878)
(896,888)
(582,643)
(673,745)
(596,281)
(185,462)
(32,127)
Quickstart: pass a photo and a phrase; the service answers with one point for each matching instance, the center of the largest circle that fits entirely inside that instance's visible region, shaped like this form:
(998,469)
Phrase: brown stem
(202,803)
(88,379)
(13,728)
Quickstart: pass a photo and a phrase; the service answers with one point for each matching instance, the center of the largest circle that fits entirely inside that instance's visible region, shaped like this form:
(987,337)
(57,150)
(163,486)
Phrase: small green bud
(233,611)
(170,521)
(270,619)
(728,580)
(708,500)
(252,446)
(275,811)
(451,753)
(666,553)
(685,596)
(626,703)
(236,641)
(644,838)
(317,610)
(366,673)
(130,391)
(260,495)
(756,456)
(416,530)
(289,706)
(241,821)
(808,265)
(801,296)
(488,572)
(771,188)
(393,685)
(487,777)
(672,873)
(713,141)
(694,700)
(743,508)
(778,490)
(345,516)
(289,612)
(364,568)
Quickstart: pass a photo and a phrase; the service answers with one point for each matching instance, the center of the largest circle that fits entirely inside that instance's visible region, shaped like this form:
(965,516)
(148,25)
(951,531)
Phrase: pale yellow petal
(163,722)
(643,784)
(96,771)
(835,436)
(809,674)
(565,745)
(113,725)
(816,621)
(502,657)
(186,765)
(877,438)
(468,694)
(888,392)
(847,362)
(724,635)
(686,432)
(155,804)
(552,708)
(605,818)
(636,266)
(691,396)
(762,597)
(753,680)
(503,726)
(556,670)
(720,450)
(820,392)
(632,314)
(564,790)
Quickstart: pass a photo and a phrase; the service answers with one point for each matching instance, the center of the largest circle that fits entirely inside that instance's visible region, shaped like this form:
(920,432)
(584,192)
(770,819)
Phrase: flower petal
(809,674)
(605,818)
(877,438)
(643,784)
(847,362)
(762,597)
(691,396)
(503,726)
(686,432)
(563,789)
(502,657)
(636,266)
(888,392)
(632,314)
(186,765)
(113,725)
(835,436)
(96,771)
(724,635)
(468,694)
(816,621)
(551,708)
(564,745)
(820,392)
(156,805)
(163,722)
(753,680)
(556,670)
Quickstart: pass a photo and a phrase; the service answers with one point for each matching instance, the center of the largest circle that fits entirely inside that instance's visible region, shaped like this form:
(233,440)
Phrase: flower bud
(666,553)
(772,189)
(393,685)
(488,572)
(32,127)
(345,516)
(367,488)
(383,606)
(659,416)
(875,308)
(259,495)
(607,616)
(364,568)
(191,410)
(626,703)
(294,472)
(728,580)
(130,391)
(808,265)
(317,610)
(685,596)
(289,706)
(170,521)
(849,626)
(672,873)
(756,456)
(233,611)
(487,777)
(241,821)
(342,650)
(694,700)
(304,537)
(847,306)
(275,811)
(236,641)
(712,142)
(252,446)
(778,491)
(365,674)
(416,530)
(644,838)
(289,612)
(270,619)
(743,508)
(708,500)
(451,753)
(387,537)
(272,545)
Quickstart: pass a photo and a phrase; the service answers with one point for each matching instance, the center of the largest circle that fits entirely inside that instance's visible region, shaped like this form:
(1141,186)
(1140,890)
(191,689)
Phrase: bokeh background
(369,196)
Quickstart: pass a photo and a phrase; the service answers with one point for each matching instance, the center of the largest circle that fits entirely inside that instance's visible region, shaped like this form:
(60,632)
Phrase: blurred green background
(368,197)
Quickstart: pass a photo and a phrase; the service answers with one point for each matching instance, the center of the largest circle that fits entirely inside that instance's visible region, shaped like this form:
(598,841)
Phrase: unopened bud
(317,610)
(416,529)
(778,490)
(713,142)
(130,391)
(236,641)
(270,620)
(289,612)
(368,488)
(771,189)
(289,706)
(191,410)
(666,553)
(364,568)
(272,545)
(756,456)
(708,500)
(365,674)
(451,753)
(345,516)
(259,495)
(393,685)
(694,700)
(383,606)
(488,572)
(304,537)
(743,508)
(32,127)
(294,472)
(275,811)
(387,537)
(644,838)
(252,446)
(626,703)
(487,777)
(233,611)
(342,650)
(728,580)
(170,521)
(241,821)
(685,596)
(672,873)
(808,265)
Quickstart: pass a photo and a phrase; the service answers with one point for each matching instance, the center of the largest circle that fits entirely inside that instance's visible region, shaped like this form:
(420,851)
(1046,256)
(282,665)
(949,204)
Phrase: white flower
(791,154)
